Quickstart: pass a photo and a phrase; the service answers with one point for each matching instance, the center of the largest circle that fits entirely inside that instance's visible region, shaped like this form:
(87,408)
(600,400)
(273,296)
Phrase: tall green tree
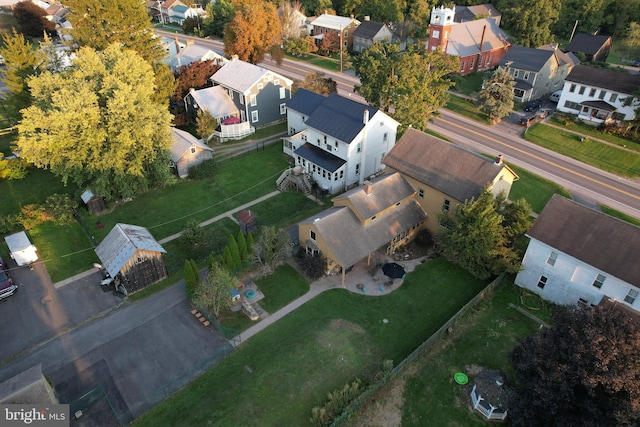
(532,21)
(271,248)
(242,246)
(98,24)
(318,83)
(477,237)
(589,14)
(213,293)
(219,14)
(387,11)
(496,95)
(97,124)
(419,17)
(253,31)
(632,41)
(583,371)
(22,60)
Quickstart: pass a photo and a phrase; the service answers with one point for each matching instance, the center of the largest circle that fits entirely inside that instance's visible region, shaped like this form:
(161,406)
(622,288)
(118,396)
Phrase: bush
(193,234)
(424,238)
(32,215)
(12,168)
(312,266)
(206,169)
(8,223)
(60,209)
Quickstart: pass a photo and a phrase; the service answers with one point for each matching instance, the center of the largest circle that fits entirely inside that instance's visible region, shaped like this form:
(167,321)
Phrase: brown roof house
(187,151)
(578,255)
(445,174)
(132,257)
(381,213)
(594,47)
(480,44)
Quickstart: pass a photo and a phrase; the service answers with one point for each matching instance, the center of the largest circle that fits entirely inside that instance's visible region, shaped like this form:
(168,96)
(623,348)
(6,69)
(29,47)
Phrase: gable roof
(214,100)
(340,117)
(195,52)
(304,101)
(526,58)
(334,22)
(350,240)
(368,29)
(242,76)
(564,58)
(608,79)
(122,242)
(597,239)
(465,37)
(182,142)
(384,193)
(586,43)
(484,9)
(180,8)
(449,168)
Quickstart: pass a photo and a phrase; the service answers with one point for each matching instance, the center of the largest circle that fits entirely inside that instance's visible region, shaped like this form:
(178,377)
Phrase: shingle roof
(180,8)
(121,244)
(465,37)
(385,192)
(368,29)
(484,9)
(242,76)
(586,43)
(320,157)
(305,101)
(334,22)
(447,167)
(526,58)
(214,100)
(564,58)
(182,142)
(195,52)
(607,79)
(340,117)
(602,241)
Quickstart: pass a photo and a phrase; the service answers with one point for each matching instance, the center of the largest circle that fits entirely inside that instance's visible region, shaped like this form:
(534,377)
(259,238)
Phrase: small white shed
(21,248)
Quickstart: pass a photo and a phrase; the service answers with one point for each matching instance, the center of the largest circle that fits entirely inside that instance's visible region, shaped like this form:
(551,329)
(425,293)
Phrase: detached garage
(132,257)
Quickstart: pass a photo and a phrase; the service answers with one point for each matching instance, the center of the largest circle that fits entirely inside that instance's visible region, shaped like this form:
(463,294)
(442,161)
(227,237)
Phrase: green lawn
(534,189)
(277,376)
(617,214)
(595,133)
(466,108)
(281,287)
(603,156)
(468,85)
(425,394)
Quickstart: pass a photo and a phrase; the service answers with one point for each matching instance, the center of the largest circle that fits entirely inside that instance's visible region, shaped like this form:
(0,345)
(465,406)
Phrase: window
(542,282)
(242,99)
(473,62)
(254,116)
(276,82)
(516,74)
(373,217)
(260,86)
(359,147)
(342,174)
(603,93)
(269,77)
(582,89)
(592,92)
(253,99)
(461,66)
(193,150)
(312,235)
(572,88)
(445,205)
(421,193)
(435,34)
(572,105)
(599,281)
(613,98)
(358,169)
(385,137)
(526,75)
(329,147)
(631,296)
(283,108)
(283,93)
(553,256)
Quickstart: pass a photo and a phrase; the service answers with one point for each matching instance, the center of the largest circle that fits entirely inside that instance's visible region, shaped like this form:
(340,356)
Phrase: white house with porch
(334,141)
(597,95)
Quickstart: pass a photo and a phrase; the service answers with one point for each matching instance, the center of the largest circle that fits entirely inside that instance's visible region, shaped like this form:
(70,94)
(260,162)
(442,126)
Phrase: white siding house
(578,256)
(336,141)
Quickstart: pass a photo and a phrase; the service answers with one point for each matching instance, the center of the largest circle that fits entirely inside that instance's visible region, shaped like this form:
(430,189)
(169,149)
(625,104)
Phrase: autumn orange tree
(253,31)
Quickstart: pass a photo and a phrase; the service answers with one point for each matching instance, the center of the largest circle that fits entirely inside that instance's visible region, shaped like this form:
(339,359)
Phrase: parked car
(555,96)
(532,105)
(7,288)
(635,63)
(529,120)
(543,112)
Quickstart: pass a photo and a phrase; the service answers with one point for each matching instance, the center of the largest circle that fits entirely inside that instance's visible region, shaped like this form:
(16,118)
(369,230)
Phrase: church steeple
(440,26)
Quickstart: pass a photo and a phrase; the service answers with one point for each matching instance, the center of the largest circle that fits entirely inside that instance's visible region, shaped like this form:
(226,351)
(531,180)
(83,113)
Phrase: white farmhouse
(578,255)
(336,142)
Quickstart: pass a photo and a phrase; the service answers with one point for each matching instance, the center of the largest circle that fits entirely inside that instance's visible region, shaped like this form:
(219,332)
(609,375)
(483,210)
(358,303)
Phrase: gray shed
(132,256)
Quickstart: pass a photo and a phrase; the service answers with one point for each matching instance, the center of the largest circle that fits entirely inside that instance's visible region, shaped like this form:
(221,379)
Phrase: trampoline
(461,378)
(250,293)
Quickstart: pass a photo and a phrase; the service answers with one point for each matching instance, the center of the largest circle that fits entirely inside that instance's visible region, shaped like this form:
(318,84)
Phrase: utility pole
(573,31)
(340,47)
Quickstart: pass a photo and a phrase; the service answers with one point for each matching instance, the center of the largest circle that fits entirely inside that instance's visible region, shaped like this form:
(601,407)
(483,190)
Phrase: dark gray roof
(305,101)
(122,242)
(564,58)
(320,157)
(526,58)
(587,43)
(449,168)
(601,105)
(463,14)
(368,29)
(617,81)
(385,192)
(339,117)
(599,240)
(350,240)
(522,85)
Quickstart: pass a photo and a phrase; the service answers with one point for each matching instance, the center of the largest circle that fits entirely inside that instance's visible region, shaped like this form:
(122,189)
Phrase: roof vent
(499,159)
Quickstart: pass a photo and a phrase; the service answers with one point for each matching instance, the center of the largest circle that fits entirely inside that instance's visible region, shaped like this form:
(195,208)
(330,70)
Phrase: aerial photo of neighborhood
(368,213)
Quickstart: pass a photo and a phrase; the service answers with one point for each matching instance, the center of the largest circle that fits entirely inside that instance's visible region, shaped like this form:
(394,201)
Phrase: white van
(555,96)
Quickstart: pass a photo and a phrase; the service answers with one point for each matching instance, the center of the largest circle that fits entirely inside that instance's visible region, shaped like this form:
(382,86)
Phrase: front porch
(596,111)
